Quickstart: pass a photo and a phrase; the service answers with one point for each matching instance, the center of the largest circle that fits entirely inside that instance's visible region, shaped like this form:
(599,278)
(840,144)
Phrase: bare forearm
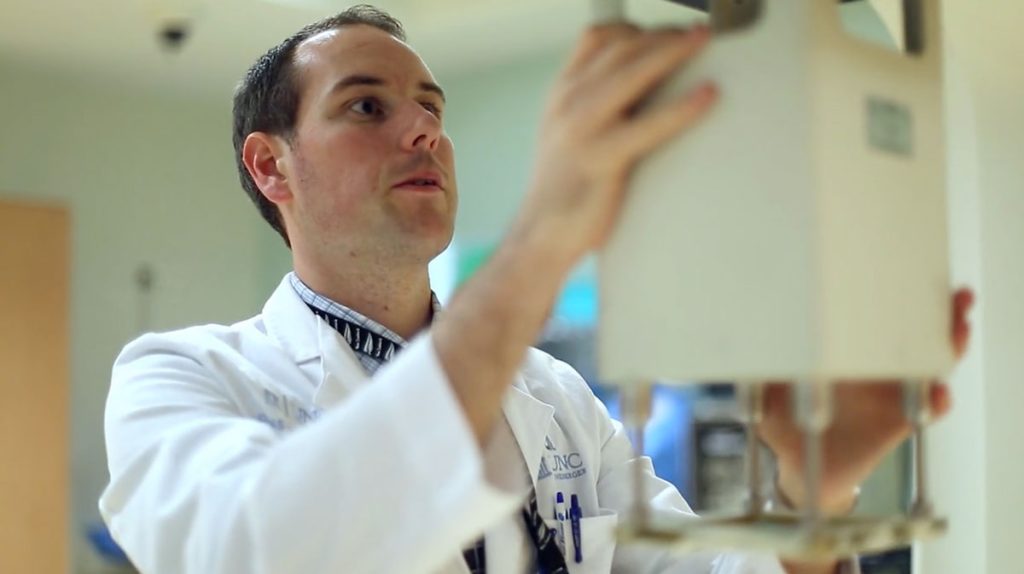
(482,337)
(594,132)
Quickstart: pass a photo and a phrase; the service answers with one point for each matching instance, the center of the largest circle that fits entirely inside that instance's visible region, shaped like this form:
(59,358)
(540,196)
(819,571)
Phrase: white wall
(978,462)
(957,467)
(1001,150)
(147,181)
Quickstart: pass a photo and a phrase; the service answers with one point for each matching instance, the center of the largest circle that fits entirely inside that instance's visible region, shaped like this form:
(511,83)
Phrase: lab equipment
(797,234)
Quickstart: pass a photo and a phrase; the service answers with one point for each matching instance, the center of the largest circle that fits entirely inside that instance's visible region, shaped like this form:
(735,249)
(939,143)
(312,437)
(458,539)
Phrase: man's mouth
(421,182)
(425,182)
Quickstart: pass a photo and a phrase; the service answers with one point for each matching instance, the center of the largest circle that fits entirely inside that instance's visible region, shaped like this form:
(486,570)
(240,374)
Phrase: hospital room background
(119,192)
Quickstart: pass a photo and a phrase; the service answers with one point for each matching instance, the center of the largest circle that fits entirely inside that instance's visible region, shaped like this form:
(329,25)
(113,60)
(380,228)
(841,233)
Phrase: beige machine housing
(799,232)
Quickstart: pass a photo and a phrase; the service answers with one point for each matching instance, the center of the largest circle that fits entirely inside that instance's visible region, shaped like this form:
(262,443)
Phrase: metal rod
(755,412)
(812,475)
(636,412)
(813,411)
(917,408)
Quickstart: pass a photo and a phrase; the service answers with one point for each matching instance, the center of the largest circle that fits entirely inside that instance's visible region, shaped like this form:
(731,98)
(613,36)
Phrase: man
(336,433)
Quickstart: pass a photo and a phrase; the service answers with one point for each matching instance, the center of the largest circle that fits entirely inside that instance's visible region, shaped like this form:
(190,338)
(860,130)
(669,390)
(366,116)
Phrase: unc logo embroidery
(562,466)
(544,470)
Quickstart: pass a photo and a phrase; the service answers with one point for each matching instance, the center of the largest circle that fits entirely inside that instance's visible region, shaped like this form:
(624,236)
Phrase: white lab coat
(263,447)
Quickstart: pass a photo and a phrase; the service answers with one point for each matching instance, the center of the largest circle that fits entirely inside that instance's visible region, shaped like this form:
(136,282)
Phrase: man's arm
(594,133)
(377,484)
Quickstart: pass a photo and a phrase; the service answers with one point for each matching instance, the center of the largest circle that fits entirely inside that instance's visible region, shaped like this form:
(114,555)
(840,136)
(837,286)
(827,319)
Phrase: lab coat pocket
(597,544)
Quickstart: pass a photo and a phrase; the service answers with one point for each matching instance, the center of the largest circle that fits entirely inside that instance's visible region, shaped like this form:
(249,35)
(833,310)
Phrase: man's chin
(426,239)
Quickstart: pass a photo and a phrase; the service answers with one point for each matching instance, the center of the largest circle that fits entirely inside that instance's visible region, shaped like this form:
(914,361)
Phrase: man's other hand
(868,422)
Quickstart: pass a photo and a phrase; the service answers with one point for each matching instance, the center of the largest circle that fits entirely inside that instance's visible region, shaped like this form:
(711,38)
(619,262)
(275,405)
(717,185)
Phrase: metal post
(917,408)
(636,410)
(813,413)
(755,412)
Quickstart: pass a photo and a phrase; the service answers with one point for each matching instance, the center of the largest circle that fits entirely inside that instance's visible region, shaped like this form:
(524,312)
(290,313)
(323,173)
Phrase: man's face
(371,169)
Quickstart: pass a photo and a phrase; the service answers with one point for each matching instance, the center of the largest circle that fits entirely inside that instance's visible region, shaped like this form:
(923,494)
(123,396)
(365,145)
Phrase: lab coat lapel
(342,371)
(291,324)
(530,420)
(306,338)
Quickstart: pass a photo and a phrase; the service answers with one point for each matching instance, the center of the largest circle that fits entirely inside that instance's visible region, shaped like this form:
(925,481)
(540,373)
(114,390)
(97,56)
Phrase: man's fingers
(610,65)
(655,126)
(629,72)
(963,300)
(595,40)
(941,399)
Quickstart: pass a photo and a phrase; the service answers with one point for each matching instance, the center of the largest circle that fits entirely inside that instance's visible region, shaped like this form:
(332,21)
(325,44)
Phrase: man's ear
(265,157)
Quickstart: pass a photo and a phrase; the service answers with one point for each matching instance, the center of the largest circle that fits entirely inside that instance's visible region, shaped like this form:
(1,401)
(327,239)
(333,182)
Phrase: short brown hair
(267,98)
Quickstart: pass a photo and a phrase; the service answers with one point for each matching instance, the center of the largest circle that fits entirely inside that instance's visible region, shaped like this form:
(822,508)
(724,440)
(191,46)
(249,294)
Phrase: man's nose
(423,132)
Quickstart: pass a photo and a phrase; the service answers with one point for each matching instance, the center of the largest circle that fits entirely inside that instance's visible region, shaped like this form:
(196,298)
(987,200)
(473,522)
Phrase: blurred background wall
(149,183)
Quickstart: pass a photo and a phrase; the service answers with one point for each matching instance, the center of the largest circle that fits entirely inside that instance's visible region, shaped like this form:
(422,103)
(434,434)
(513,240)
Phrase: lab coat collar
(342,372)
(290,322)
(305,337)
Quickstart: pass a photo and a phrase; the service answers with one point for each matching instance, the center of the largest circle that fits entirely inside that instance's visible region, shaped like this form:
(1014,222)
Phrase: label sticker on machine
(890,126)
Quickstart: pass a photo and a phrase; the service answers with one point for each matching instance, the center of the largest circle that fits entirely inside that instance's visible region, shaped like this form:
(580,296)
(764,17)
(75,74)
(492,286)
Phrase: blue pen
(575,514)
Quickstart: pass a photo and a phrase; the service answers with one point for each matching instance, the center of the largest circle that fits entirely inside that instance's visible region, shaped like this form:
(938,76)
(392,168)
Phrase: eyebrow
(366,80)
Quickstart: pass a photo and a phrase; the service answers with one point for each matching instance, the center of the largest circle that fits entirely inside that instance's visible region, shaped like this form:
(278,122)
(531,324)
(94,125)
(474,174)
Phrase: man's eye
(432,108)
(367,107)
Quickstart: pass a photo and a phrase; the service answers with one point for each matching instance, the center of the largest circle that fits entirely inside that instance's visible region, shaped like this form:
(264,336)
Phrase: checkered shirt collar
(331,307)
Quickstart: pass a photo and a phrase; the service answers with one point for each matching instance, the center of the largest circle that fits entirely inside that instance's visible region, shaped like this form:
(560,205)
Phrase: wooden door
(34,417)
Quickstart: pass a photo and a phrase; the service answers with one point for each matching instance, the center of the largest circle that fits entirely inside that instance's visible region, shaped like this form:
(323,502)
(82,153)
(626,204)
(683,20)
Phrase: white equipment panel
(799,232)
